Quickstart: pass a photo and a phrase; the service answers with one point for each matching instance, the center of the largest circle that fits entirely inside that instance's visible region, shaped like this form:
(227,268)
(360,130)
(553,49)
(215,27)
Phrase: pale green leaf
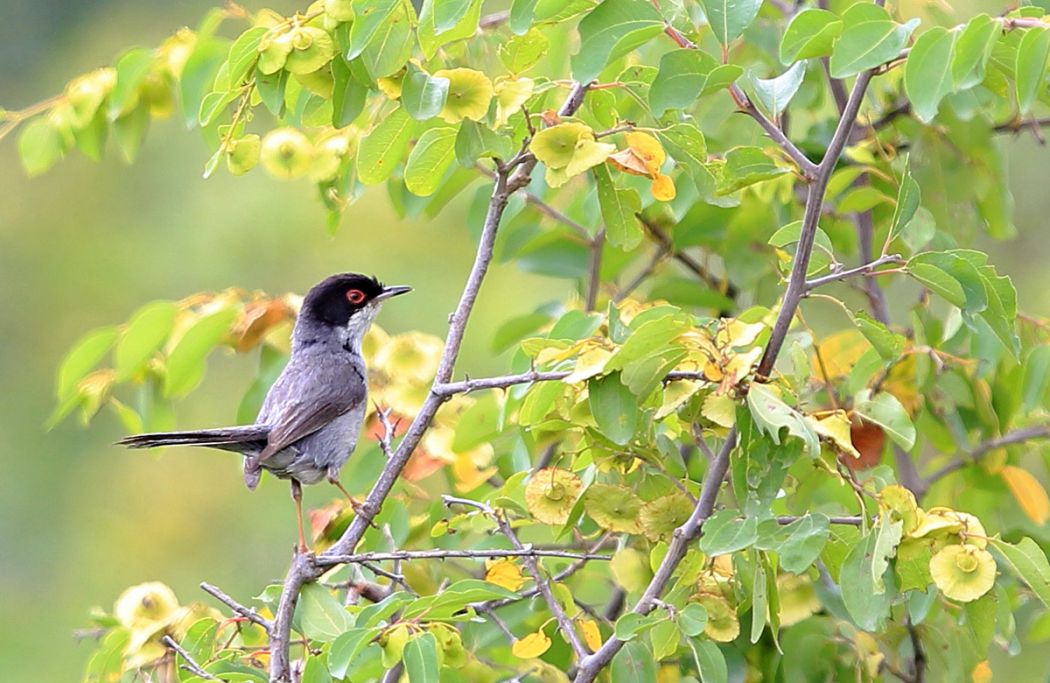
(613,28)
(729,18)
(811,33)
(382,149)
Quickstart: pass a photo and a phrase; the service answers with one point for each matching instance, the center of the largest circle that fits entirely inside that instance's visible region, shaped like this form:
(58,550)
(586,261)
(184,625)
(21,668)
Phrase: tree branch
(982,449)
(503,382)
(808,168)
(306,568)
(191,664)
(594,276)
(246,612)
(867,270)
(443,554)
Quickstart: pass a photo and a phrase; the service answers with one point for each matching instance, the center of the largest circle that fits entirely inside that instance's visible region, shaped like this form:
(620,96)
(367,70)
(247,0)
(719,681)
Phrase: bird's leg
(297,496)
(354,503)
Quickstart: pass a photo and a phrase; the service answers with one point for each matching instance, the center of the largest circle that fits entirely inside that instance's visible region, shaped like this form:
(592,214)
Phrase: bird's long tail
(226,438)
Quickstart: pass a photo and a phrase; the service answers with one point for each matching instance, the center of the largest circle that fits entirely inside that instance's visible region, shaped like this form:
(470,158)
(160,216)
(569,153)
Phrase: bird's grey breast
(325,387)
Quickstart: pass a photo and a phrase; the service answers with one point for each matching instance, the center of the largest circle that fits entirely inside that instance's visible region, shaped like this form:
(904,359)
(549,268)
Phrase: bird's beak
(389,292)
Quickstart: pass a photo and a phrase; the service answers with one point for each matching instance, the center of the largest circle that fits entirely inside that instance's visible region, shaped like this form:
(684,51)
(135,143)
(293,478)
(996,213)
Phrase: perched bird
(313,413)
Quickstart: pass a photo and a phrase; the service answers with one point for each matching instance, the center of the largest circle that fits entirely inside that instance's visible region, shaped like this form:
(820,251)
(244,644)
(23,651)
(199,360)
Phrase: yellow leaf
(469,95)
(588,364)
(712,372)
(719,409)
(675,394)
(467,473)
(1030,494)
(840,352)
(835,428)
(982,673)
(591,635)
(901,503)
(723,626)
(663,188)
(504,573)
(963,572)
(941,521)
(511,93)
(532,645)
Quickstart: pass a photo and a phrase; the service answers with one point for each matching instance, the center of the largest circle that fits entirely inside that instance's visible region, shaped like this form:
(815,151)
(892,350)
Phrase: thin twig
(444,554)
(191,665)
(246,612)
(594,276)
(867,270)
(982,449)
(505,381)
(808,168)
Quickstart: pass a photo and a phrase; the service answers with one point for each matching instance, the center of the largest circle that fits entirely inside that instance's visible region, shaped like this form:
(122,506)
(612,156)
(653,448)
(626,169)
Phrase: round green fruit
(286,153)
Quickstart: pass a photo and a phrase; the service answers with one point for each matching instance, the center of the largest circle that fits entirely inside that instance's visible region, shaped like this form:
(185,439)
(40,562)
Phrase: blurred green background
(88,243)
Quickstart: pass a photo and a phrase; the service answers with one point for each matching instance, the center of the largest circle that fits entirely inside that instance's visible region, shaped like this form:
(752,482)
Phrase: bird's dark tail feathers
(226,438)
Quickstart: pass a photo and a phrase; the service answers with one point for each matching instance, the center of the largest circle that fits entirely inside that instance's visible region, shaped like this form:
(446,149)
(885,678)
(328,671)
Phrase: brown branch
(246,612)
(444,554)
(867,270)
(807,167)
(594,276)
(505,381)
(191,664)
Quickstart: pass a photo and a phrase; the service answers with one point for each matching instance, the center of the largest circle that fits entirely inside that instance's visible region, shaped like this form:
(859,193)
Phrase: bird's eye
(355,296)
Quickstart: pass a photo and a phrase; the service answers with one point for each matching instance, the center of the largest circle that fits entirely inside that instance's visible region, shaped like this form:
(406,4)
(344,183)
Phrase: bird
(311,418)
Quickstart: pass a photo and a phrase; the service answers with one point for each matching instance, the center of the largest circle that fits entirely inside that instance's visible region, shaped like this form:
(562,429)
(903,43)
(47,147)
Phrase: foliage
(845,449)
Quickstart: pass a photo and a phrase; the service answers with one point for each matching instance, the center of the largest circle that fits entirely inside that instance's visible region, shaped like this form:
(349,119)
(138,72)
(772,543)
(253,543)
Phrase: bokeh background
(86,244)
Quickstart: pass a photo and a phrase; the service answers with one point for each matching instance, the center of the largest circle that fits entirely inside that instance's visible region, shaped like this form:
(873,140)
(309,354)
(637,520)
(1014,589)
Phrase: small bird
(310,420)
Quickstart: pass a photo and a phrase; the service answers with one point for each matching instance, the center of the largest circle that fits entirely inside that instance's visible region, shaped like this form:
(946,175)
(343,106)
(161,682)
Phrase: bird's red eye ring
(355,296)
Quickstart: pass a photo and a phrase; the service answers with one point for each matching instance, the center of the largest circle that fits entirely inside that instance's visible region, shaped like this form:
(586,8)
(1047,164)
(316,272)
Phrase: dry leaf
(1028,492)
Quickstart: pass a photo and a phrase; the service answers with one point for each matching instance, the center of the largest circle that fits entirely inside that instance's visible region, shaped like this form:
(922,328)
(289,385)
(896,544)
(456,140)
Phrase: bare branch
(594,276)
(468,385)
(867,270)
(982,449)
(246,612)
(191,665)
(808,168)
(444,554)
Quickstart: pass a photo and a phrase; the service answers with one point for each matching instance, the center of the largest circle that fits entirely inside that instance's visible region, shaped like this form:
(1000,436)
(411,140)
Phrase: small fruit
(312,48)
(274,51)
(286,153)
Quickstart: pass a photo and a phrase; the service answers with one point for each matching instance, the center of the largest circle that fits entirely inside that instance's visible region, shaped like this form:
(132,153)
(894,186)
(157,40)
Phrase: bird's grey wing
(309,401)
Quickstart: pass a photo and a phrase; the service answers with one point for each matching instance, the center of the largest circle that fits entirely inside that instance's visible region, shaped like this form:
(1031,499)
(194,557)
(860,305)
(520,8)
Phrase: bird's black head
(338,299)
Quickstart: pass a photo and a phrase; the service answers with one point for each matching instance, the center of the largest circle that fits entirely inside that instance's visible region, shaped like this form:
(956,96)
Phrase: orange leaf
(648,149)
(663,188)
(868,439)
(505,573)
(1030,494)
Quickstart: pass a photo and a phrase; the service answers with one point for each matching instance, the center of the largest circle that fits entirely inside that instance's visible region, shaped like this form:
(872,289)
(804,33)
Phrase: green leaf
(130,130)
(887,343)
(686,75)
(887,412)
(746,166)
(448,13)
(634,663)
(346,648)
(476,140)
(867,605)
(692,618)
(314,671)
(727,532)
(869,38)
(665,637)
(773,95)
(107,662)
(391,47)
(687,146)
(521,15)
(382,149)
(321,616)
(1032,55)
(973,48)
(243,55)
(39,146)
(729,18)
(1036,377)
(887,537)
(369,16)
(82,359)
(423,95)
(132,68)
(806,537)
(614,407)
(710,661)
(148,328)
(186,360)
(908,198)
(198,75)
(927,72)
(646,338)
(954,265)
(421,659)
(430,158)
(348,94)
(199,642)
(759,599)
(771,415)
(613,28)
(619,209)
(811,33)
(1001,313)
(522,52)
(938,282)
(1028,560)
(431,39)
